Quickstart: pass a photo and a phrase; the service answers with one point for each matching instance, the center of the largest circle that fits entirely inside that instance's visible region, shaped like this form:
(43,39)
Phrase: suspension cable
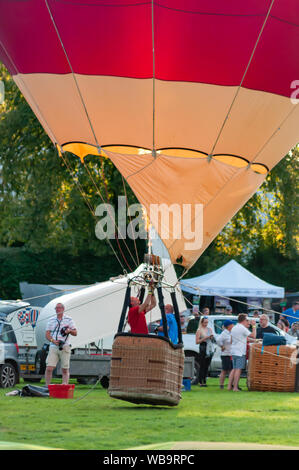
(125,191)
(112,218)
(154,80)
(243,77)
(90,207)
(73,74)
(76,181)
(84,106)
(78,90)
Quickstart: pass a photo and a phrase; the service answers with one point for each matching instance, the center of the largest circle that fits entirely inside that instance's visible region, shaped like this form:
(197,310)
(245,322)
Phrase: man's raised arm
(150,301)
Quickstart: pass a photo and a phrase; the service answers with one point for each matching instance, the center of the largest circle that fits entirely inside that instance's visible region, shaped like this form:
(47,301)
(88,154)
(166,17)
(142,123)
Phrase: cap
(228,307)
(226,323)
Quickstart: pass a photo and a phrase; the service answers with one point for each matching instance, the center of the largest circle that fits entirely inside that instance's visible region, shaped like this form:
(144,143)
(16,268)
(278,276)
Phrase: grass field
(98,422)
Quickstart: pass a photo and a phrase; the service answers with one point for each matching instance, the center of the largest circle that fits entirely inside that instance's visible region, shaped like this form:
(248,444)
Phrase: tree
(49,202)
(282,186)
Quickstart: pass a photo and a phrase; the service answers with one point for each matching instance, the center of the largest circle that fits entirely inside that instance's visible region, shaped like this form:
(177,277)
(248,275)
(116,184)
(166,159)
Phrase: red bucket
(61,391)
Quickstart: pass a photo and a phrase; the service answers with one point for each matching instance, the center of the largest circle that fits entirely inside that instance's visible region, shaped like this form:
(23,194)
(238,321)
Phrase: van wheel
(104,381)
(8,376)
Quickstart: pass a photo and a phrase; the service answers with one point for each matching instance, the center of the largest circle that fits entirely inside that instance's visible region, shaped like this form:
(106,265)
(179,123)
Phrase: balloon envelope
(190,99)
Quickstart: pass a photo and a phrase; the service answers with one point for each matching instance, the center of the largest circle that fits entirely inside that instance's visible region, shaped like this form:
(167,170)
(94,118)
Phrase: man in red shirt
(137,312)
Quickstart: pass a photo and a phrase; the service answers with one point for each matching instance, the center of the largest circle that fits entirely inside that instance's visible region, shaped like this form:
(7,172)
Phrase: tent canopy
(231,280)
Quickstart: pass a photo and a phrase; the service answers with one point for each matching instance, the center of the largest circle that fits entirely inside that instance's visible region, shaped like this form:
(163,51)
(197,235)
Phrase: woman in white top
(204,337)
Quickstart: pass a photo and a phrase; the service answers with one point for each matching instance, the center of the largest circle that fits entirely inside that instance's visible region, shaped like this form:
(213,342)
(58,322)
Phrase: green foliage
(51,267)
(41,206)
(271,265)
(282,185)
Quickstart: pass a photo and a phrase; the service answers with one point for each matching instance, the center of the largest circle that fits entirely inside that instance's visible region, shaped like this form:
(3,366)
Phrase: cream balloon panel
(221,189)
(188,117)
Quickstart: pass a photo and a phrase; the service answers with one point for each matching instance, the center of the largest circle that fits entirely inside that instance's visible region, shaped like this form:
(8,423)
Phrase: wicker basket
(272,368)
(146,369)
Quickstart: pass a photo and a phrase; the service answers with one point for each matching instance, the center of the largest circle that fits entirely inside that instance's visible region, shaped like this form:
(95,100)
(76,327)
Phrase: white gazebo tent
(231,280)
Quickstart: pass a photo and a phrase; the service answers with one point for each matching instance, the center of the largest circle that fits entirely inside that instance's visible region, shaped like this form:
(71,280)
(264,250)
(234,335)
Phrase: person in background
(204,337)
(184,322)
(256,314)
(291,314)
(58,329)
(172,326)
(224,341)
(205,311)
(228,310)
(264,327)
(294,331)
(240,333)
(282,324)
(193,322)
(285,322)
(137,312)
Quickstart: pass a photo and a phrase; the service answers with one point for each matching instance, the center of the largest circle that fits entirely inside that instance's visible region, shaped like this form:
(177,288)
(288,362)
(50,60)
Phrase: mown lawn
(101,423)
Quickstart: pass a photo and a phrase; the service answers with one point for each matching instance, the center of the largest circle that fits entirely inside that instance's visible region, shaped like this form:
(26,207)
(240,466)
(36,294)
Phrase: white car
(216,324)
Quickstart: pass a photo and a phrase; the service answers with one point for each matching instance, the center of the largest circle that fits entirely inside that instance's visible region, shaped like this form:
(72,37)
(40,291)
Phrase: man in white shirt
(58,330)
(239,334)
(224,340)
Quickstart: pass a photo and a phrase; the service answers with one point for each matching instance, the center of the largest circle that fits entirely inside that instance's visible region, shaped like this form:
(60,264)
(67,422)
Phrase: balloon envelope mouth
(82,150)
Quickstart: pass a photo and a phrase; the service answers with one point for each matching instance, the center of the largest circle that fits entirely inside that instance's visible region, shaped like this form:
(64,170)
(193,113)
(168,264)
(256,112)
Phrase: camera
(63,331)
(60,345)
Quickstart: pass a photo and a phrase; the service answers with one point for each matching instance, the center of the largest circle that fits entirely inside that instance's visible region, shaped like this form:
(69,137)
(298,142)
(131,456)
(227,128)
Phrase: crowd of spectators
(234,339)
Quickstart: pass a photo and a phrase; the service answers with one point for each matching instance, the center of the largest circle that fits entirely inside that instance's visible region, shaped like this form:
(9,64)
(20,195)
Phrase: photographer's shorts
(239,362)
(227,363)
(55,355)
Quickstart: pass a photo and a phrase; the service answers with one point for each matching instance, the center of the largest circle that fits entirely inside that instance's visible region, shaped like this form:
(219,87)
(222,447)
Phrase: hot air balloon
(33,314)
(190,99)
(23,317)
